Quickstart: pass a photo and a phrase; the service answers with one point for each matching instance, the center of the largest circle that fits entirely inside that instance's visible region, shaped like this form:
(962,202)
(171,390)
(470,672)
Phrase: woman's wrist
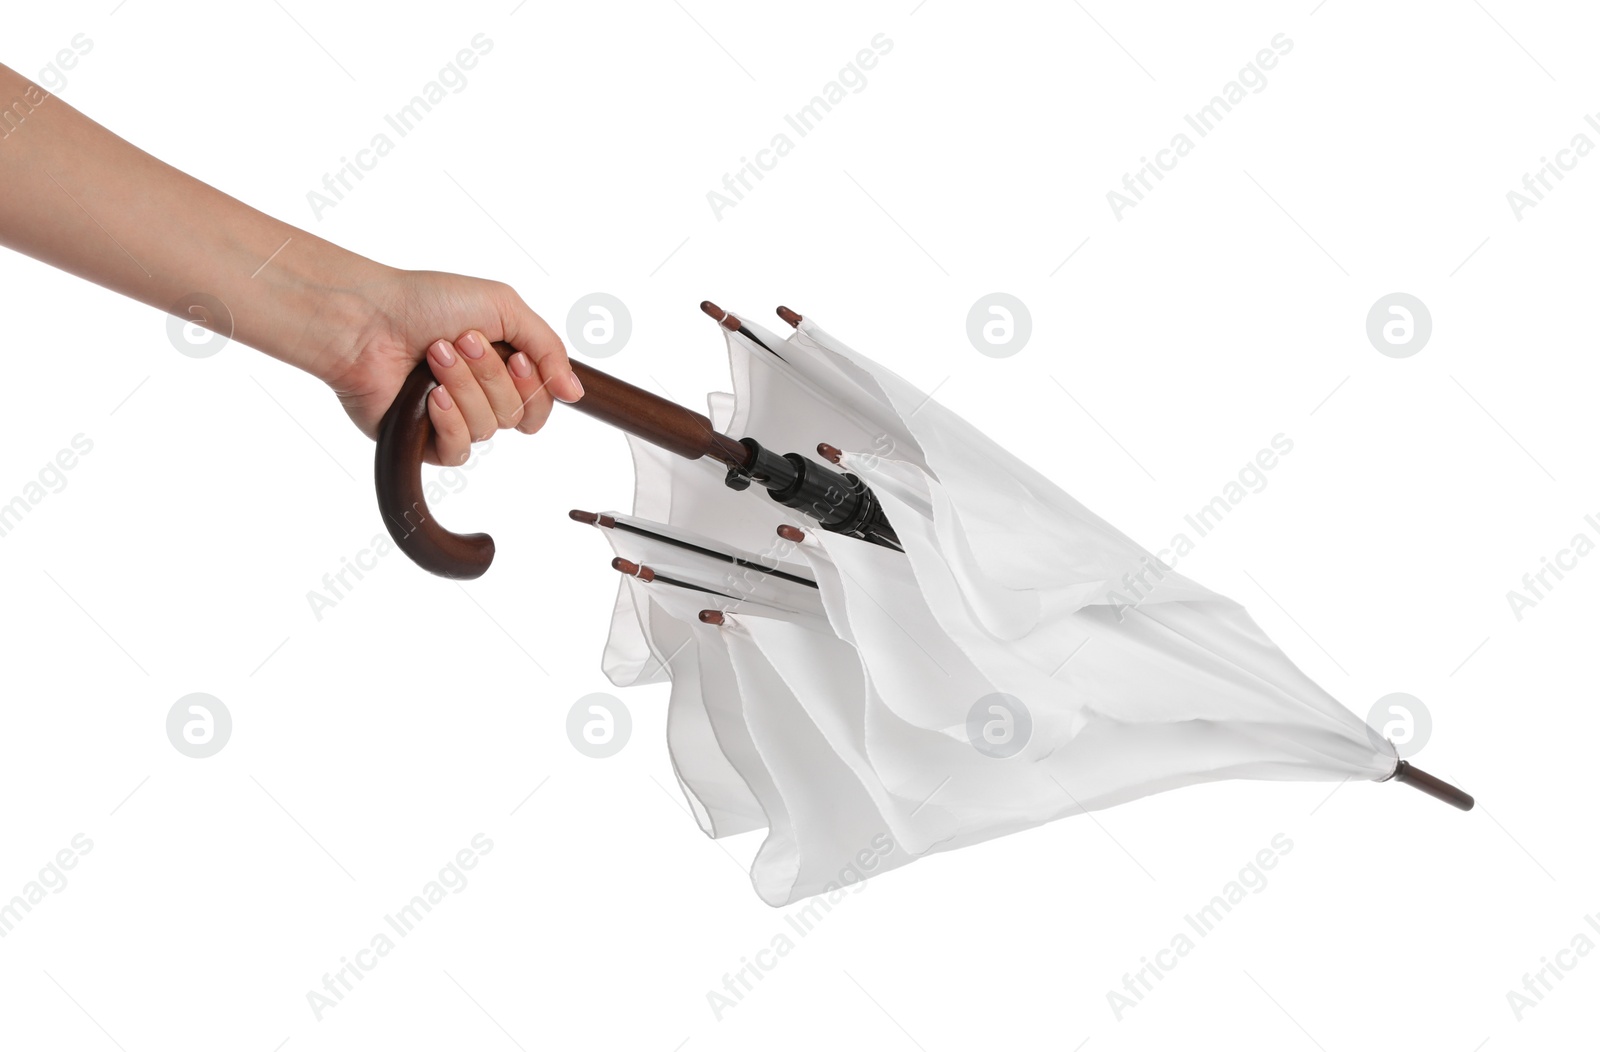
(315,305)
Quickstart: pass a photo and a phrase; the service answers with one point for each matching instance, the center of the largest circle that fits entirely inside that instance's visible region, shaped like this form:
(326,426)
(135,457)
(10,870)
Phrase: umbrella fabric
(1022,660)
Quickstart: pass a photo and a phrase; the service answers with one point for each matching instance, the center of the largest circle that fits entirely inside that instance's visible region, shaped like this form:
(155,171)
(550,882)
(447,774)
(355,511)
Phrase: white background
(371,745)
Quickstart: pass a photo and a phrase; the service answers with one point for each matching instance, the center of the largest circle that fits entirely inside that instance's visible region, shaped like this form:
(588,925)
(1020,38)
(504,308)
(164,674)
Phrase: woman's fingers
(455,375)
(528,333)
(479,392)
(452,440)
(532,391)
(493,378)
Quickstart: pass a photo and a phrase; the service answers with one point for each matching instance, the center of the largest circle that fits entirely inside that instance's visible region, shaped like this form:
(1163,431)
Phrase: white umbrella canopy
(931,647)
(1021,660)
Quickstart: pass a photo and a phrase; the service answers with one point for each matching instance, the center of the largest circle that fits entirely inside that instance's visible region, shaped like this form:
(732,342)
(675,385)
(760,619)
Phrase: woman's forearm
(82,199)
(76,196)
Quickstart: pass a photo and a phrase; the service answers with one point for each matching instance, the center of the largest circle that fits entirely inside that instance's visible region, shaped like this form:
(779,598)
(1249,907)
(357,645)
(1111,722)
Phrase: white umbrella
(993,656)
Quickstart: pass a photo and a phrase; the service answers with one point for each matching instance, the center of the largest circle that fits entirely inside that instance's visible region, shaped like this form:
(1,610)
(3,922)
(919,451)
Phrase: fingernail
(520,366)
(470,346)
(441,398)
(441,353)
(573,384)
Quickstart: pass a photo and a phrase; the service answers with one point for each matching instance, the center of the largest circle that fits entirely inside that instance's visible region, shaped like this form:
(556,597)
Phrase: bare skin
(82,199)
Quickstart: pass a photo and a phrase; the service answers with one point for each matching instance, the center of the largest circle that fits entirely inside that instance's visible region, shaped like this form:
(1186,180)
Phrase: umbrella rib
(733,324)
(692,587)
(726,556)
(647,574)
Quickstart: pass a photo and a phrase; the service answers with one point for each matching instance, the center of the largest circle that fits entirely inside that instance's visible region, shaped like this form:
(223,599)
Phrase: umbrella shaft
(653,418)
(840,502)
(837,500)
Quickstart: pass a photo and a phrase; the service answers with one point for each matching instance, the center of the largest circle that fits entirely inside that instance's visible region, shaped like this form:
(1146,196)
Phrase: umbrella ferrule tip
(1438,788)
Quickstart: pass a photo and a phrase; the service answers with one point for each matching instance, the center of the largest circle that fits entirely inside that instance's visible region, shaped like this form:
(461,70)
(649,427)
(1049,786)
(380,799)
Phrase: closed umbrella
(920,642)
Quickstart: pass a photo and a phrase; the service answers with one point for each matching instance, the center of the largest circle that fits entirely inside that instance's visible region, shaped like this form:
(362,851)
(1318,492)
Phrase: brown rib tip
(723,318)
(633,569)
(791,533)
(789,316)
(712,617)
(829,453)
(588,518)
(716,312)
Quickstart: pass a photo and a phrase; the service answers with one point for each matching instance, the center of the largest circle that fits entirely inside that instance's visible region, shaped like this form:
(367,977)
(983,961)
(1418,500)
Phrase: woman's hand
(452,320)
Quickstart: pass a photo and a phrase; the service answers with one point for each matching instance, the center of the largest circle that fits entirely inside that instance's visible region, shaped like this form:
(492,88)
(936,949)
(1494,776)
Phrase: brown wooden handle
(403,439)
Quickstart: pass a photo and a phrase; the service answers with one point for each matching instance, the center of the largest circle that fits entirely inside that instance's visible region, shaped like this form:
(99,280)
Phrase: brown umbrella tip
(789,316)
(829,453)
(791,533)
(588,518)
(1437,788)
(713,617)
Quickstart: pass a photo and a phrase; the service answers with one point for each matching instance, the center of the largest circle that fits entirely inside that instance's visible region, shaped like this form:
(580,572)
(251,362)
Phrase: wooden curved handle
(403,439)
